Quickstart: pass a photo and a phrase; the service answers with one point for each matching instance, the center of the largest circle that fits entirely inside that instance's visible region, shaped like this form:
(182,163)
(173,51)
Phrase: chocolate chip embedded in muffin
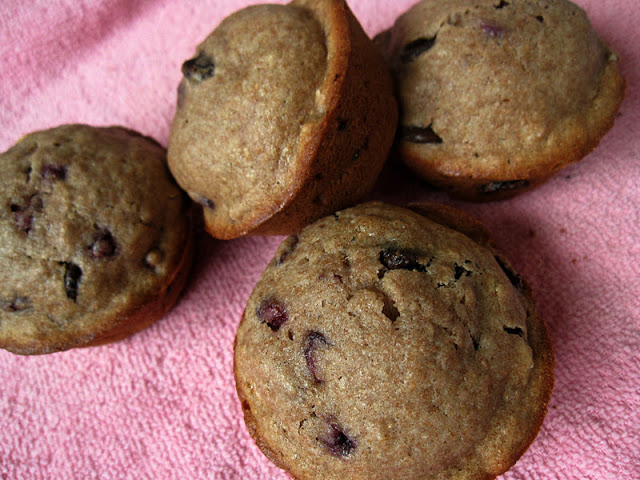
(439,367)
(54,172)
(307,118)
(72,277)
(198,68)
(273,313)
(92,251)
(487,109)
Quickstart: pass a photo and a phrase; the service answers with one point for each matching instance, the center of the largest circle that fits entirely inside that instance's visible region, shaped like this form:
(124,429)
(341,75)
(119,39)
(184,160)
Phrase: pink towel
(162,404)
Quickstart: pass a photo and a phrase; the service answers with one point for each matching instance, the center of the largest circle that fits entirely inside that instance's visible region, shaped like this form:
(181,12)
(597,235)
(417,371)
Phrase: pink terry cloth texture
(162,404)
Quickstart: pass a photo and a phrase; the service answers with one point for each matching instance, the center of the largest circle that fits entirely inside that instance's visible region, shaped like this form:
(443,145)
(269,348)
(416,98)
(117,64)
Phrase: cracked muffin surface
(96,238)
(498,95)
(382,344)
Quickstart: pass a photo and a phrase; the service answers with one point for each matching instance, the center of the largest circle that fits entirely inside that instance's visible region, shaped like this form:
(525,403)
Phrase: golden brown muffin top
(92,227)
(247,97)
(500,90)
(380,344)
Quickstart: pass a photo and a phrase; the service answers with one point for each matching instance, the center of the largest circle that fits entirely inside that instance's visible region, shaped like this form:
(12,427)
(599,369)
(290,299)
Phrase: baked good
(498,95)
(381,344)
(285,114)
(96,238)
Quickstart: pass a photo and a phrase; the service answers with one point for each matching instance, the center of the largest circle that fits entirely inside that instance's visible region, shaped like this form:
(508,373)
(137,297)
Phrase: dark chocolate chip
(199,68)
(400,258)
(502,4)
(540,18)
(312,341)
(104,245)
(415,134)
(338,442)
(72,276)
(459,271)
(273,313)
(514,331)
(505,186)
(54,172)
(414,49)
(513,277)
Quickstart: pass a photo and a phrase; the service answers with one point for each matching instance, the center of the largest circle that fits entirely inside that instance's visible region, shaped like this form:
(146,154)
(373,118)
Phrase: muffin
(96,238)
(285,114)
(380,343)
(498,95)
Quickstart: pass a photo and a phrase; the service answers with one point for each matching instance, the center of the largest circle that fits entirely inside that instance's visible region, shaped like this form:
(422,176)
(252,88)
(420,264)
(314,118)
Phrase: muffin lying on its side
(285,114)
(96,238)
(381,344)
(498,95)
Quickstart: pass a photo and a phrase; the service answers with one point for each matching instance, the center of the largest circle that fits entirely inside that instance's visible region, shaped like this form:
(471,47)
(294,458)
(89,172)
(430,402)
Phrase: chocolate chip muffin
(96,238)
(382,344)
(285,114)
(498,95)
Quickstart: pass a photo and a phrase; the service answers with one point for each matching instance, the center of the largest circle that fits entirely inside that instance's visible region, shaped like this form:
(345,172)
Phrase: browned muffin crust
(382,344)
(496,96)
(285,114)
(96,238)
